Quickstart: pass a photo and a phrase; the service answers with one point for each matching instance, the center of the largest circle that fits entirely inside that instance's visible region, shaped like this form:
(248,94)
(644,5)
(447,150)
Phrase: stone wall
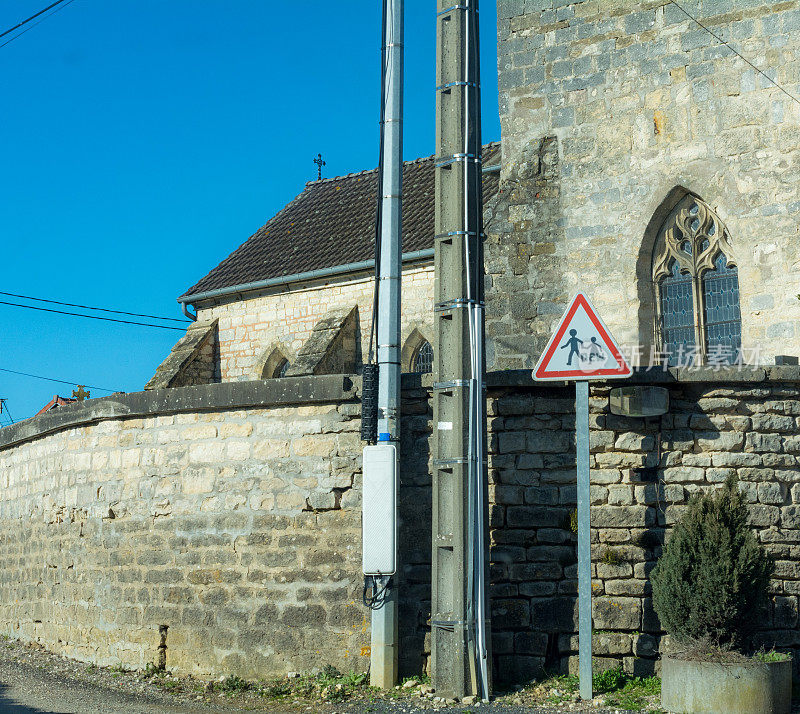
(231,514)
(644,105)
(525,285)
(249,330)
(228,515)
(719,423)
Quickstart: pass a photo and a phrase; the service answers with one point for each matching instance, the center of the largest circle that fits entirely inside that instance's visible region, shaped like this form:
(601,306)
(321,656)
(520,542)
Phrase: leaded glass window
(697,286)
(677,311)
(423,359)
(723,320)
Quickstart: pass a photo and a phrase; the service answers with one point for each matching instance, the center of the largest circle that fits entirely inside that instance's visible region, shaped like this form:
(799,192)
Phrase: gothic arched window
(696,286)
(422,362)
(273,364)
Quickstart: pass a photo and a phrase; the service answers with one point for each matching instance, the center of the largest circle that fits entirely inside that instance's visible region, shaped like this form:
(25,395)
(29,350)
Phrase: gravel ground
(34,680)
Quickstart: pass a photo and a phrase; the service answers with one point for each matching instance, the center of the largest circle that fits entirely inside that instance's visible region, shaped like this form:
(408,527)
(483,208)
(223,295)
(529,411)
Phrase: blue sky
(145,140)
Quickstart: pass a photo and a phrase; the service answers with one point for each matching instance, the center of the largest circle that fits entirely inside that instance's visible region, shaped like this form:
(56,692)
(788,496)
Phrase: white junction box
(379,510)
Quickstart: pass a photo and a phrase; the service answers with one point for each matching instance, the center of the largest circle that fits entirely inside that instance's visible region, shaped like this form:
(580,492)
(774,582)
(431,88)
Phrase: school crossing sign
(581,348)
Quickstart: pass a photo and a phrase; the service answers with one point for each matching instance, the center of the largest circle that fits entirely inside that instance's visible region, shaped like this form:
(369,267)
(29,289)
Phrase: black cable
(378,598)
(61,381)
(730,47)
(5,404)
(20,34)
(89,307)
(32,17)
(4,412)
(91,317)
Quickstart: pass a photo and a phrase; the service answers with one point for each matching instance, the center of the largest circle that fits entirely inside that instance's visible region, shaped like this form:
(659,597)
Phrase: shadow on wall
(415,528)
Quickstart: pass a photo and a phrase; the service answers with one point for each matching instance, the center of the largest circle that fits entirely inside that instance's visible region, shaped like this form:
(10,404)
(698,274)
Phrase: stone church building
(214,518)
(641,161)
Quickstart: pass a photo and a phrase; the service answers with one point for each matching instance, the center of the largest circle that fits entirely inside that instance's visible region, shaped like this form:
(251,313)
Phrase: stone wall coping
(327,389)
(673,375)
(203,398)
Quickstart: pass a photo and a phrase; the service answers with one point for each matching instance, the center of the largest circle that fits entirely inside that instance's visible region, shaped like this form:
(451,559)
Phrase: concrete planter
(689,687)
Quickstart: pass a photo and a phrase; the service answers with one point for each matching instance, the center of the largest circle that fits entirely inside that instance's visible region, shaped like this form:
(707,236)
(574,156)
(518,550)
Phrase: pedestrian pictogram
(581,348)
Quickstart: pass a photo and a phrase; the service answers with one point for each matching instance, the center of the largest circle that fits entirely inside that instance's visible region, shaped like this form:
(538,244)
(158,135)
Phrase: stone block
(605,476)
(763,516)
(620,495)
(736,459)
(773,423)
(617,613)
(720,441)
(763,442)
(771,493)
(623,517)
(511,442)
(634,442)
(554,614)
(684,474)
(790,517)
(628,586)
(508,613)
(519,668)
(535,516)
(207,452)
(530,643)
(611,643)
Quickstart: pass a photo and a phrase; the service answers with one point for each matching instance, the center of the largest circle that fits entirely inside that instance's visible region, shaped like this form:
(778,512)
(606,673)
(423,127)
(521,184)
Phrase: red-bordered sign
(581,348)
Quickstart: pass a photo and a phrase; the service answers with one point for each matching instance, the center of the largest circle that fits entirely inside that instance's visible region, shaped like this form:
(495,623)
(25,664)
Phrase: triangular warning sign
(581,348)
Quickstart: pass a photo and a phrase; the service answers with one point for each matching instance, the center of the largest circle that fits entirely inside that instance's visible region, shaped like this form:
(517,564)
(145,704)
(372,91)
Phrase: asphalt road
(27,689)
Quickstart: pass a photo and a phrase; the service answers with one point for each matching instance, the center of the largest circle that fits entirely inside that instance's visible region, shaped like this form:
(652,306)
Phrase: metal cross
(80,394)
(320,163)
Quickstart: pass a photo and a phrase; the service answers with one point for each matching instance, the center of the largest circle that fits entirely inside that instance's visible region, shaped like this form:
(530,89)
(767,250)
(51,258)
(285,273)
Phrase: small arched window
(696,287)
(273,365)
(422,362)
(280,370)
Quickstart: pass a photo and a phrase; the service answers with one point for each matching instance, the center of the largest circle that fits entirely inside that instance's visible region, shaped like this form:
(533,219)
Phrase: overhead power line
(32,17)
(738,54)
(19,34)
(91,317)
(89,307)
(61,381)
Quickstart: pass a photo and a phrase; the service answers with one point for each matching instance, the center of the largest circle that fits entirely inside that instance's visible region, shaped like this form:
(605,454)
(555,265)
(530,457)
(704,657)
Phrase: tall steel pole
(460,613)
(383,657)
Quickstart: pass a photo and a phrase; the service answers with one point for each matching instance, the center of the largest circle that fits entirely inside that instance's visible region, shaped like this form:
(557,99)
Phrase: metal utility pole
(460,612)
(383,657)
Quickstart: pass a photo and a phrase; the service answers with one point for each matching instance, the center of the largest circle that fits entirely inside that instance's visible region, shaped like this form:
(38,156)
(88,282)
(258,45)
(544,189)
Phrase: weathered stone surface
(333,346)
(193,359)
(616,613)
(624,517)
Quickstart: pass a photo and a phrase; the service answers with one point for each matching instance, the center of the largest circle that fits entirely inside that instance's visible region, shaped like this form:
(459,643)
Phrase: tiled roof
(332,222)
(55,402)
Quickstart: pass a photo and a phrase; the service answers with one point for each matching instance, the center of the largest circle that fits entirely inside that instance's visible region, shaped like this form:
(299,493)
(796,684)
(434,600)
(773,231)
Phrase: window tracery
(696,286)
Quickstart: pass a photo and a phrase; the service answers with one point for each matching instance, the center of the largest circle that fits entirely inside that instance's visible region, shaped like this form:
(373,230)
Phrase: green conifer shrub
(713,574)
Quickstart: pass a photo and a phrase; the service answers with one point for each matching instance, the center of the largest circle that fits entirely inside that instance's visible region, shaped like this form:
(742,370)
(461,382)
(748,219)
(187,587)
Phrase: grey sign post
(581,349)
